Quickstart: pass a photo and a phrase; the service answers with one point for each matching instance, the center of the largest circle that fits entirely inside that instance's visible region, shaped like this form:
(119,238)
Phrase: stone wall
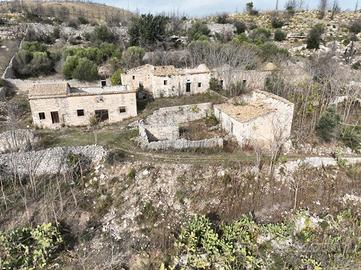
(2,93)
(182,144)
(160,131)
(179,114)
(253,79)
(47,162)
(67,108)
(20,139)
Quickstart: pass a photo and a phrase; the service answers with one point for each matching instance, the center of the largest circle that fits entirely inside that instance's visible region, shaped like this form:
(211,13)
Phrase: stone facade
(168,81)
(77,107)
(253,79)
(261,119)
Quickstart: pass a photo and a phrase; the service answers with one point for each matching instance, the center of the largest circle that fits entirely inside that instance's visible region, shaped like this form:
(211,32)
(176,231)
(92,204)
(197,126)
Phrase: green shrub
(116,78)
(276,22)
(29,248)
(241,27)
(241,38)
(33,59)
(314,37)
(132,173)
(147,29)
(133,56)
(69,66)
(215,85)
(327,126)
(355,26)
(198,31)
(270,50)
(101,34)
(260,35)
(86,70)
(351,137)
(280,35)
(356,65)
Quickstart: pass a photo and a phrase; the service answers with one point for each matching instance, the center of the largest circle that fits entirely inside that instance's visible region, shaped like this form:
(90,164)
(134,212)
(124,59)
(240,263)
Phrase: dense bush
(29,248)
(276,22)
(351,136)
(314,37)
(244,244)
(260,35)
(133,57)
(33,59)
(80,68)
(328,124)
(116,78)
(280,35)
(215,85)
(198,31)
(101,34)
(269,50)
(146,30)
(85,70)
(355,26)
(222,18)
(98,54)
(241,27)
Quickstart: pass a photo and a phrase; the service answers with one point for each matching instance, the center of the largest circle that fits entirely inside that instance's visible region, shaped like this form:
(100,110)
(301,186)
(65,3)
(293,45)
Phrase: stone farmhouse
(253,79)
(261,119)
(57,104)
(168,81)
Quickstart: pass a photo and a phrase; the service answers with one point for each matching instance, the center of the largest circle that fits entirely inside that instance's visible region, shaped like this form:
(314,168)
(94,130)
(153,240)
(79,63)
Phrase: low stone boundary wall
(182,144)
(179,114)
(47,162)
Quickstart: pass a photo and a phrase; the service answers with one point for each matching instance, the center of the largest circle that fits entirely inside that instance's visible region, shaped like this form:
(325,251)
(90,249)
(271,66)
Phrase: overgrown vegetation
(301,242)
(29,248)
(314,37)
(34,59)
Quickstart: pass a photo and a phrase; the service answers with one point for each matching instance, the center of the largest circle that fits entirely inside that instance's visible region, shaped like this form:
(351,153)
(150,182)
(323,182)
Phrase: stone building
(252,79)
(167,81)
(58,104)
(260,119)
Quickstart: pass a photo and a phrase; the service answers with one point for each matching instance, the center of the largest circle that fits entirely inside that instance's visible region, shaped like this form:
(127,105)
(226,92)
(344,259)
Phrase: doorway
(55,117)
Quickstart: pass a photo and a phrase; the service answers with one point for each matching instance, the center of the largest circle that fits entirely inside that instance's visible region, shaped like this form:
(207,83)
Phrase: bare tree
(335,9)
(322,8)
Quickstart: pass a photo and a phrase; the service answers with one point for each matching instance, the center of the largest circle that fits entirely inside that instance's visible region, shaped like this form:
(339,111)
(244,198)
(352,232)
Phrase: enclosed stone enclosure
(161,130)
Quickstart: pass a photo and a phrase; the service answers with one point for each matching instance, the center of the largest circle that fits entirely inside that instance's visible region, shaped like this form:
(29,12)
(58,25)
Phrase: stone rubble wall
(179,114)
(20,139)
(47,162)
(182,144)
(2,93)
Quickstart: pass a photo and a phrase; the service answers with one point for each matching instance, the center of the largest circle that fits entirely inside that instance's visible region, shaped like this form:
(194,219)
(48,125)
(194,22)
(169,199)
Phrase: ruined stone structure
(167,81)
(160,131)
(252,79)
(59,104)
(260,119)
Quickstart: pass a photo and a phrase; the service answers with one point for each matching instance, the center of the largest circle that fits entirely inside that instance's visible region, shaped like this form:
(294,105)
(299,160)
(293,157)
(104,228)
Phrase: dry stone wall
(181,144)
(20,139)
(47,162)
(160,131)
(179,114)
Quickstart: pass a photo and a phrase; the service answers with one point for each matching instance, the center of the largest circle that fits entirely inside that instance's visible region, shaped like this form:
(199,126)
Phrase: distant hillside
(63,9)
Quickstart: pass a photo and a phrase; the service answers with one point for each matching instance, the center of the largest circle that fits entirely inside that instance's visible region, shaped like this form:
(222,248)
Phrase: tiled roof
(49,89)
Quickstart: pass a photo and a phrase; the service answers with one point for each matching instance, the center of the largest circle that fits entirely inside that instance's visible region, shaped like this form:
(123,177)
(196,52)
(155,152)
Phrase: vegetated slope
(75,8)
